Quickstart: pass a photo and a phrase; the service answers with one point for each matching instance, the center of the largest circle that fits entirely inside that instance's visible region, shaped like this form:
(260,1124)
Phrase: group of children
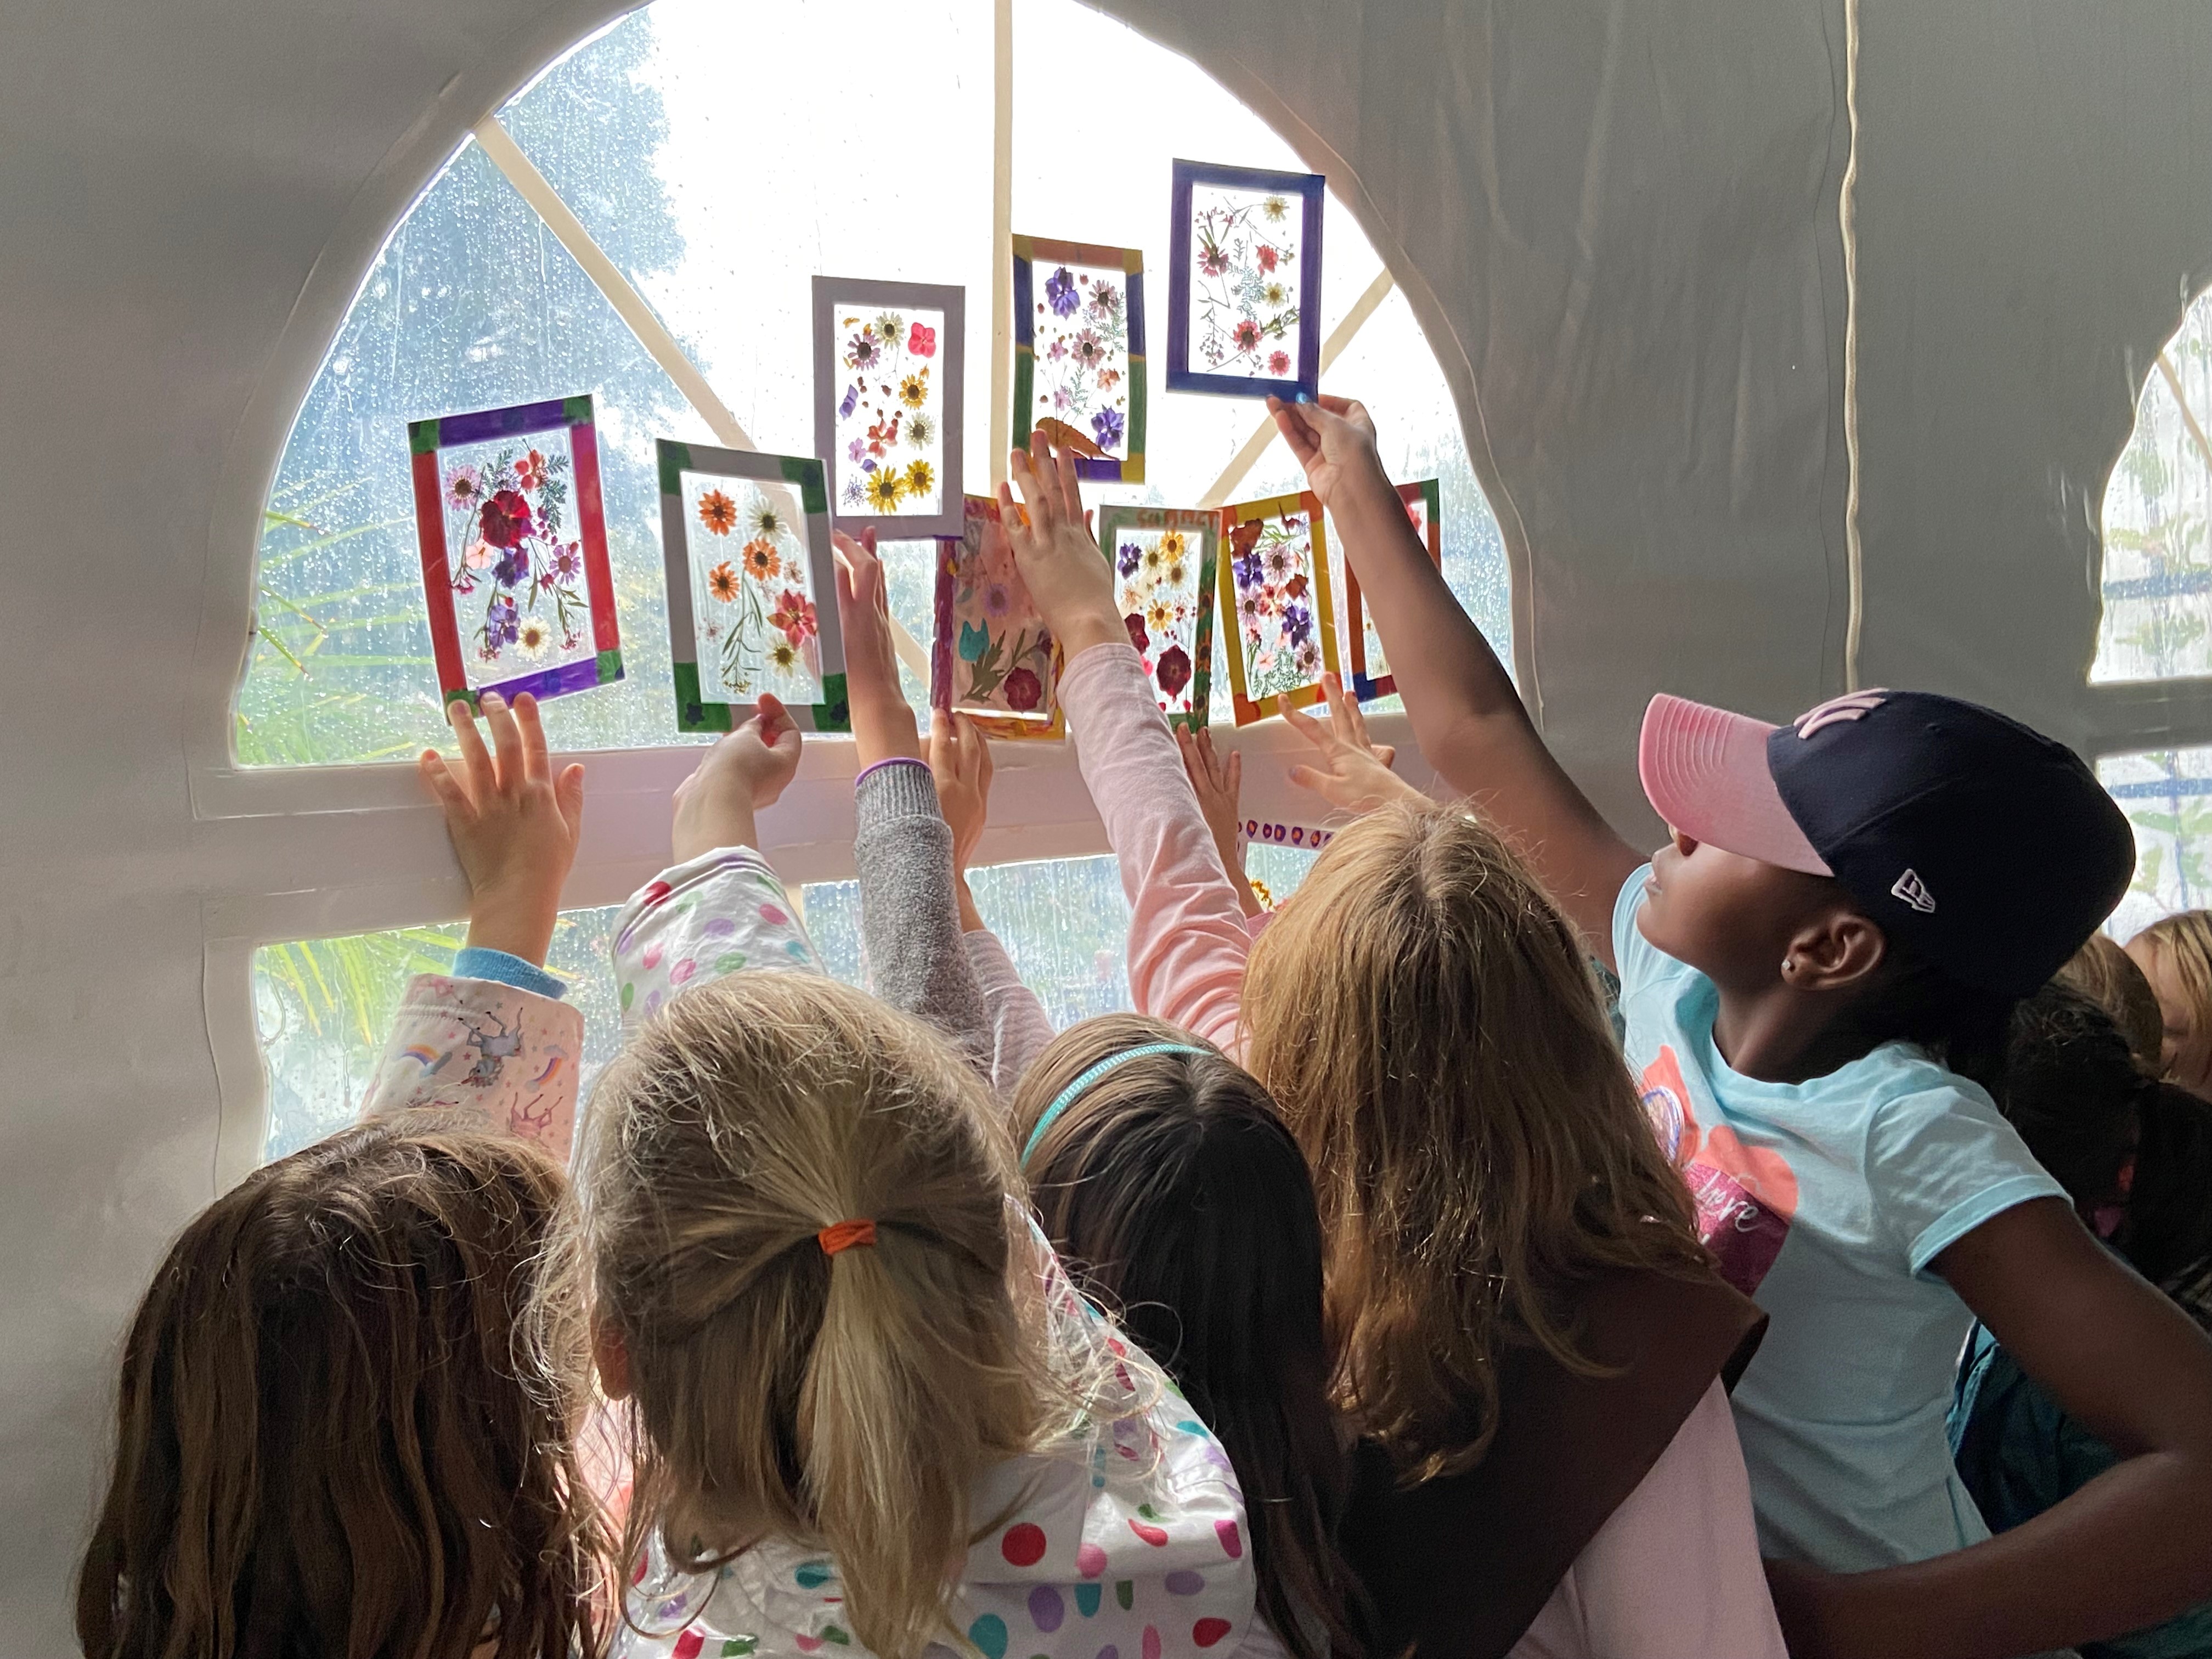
(1507,1245)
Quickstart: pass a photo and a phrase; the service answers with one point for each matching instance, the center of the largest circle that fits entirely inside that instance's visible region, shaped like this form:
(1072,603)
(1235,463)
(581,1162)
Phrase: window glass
(2158,564)
(2167,796)
(325,1007)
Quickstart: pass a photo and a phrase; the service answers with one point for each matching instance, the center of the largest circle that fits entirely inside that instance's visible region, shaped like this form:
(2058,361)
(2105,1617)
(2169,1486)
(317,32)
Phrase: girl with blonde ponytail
(865,1410)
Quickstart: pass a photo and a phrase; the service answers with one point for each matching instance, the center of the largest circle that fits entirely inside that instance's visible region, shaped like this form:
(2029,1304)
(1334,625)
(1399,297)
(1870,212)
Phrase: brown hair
(1179,1200)
(326,1439)
(2103,971)
(847,1402)
(1430,1025)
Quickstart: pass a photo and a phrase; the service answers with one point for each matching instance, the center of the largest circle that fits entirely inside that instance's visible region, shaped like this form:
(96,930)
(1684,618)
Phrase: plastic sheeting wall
(1617,223)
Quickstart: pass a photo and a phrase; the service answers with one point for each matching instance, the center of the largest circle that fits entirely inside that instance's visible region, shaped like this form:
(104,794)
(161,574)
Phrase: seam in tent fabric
(1847,209)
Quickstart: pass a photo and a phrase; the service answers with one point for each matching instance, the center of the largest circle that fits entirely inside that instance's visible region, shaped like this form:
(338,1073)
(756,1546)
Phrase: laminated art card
(1370,674)
(1244,282)
(514,550)
(752,597)
(1276,605)
(888,404)
(1164,562)
(991,656)
(1080,353)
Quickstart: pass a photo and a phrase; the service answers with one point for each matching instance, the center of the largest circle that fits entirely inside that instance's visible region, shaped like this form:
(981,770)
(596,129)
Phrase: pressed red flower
(1174,671)
(1023,690)
(1246,334)
(922,342)
(530,470)
(1137,637)
(1279,363)
(505,520)
(1267,257)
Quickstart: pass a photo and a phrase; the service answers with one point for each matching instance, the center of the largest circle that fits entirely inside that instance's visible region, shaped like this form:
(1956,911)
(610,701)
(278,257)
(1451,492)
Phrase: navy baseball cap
(1986,847)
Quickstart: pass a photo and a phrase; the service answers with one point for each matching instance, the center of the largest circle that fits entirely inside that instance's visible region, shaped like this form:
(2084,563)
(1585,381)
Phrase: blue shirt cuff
(474,962)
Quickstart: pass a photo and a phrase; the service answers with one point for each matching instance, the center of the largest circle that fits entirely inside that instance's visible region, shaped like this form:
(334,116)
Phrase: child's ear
(611,1355)
(1838,951)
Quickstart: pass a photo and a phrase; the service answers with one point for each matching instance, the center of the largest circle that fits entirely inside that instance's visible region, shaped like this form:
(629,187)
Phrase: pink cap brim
(1705,770)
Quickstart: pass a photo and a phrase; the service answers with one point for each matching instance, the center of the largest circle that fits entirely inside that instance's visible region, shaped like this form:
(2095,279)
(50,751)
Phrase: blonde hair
(848,1403)
(2184,939)
(2104,972)
(1428,1023)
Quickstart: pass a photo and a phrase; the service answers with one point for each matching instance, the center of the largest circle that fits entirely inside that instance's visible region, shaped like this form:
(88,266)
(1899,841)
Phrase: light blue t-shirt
(1826,1201)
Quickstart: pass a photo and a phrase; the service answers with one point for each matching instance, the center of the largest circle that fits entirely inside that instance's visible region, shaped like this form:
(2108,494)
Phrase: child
(2081,1101)
(326,1441)
(1530,1335)
(1166,1181)
(2103,971)
(864,1407)
(2175,954)
(1814,971)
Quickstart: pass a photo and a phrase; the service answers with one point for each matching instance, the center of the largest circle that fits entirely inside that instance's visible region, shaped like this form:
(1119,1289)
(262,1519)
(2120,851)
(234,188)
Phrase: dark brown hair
(2075,1093)
(1180,1202)
(326,1443)
(1430,1025)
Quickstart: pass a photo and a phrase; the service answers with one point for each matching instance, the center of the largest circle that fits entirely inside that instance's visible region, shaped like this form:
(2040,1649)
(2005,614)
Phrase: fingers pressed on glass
(475,758)
(535,769)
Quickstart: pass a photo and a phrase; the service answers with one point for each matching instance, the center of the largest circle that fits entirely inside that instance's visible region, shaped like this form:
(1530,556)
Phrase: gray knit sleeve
(909,921)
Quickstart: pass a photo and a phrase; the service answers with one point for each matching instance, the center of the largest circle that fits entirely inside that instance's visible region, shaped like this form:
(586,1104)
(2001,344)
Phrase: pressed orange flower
(761,562)
(718,512)
(722,582)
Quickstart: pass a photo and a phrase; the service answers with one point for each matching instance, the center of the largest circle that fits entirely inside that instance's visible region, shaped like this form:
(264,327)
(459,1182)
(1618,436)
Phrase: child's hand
(744,771)
(1334,441)
(1217,781)
(1349,771)
(513,824)
(1060,564)
(882,721)
(960,759)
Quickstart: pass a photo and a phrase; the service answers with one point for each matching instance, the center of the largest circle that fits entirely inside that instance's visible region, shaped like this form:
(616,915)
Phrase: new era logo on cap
(1914,891)
(1855,707)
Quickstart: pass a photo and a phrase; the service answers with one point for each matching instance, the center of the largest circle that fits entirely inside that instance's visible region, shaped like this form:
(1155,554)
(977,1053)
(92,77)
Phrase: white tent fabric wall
(1617,222)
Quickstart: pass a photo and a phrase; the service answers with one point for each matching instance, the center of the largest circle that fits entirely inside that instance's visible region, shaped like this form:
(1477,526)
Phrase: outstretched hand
(745,770)
(1348,769)
(960,760)
(883,720)
(1217,781)
(1333,438)
(1059,558)
(513,824)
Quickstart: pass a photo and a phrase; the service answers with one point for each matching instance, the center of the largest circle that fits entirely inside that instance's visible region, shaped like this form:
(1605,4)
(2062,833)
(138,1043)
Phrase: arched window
(2157,590)
(641,222)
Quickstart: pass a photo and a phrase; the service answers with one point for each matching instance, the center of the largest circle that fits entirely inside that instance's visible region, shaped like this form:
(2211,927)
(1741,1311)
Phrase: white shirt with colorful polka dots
(721,912)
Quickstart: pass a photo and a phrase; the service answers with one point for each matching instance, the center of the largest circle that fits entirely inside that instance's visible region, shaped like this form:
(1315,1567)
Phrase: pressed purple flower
(854,450)
(1106,426)
(1059,292)
(501,622)
(512,570)
(1248,570)
(852,402)
(1297,622)
(1130,553)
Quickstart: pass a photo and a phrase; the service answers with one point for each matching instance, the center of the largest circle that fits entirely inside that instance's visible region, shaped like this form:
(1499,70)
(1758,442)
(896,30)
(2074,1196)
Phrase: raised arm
(494,1038)
(1471,724)
(2128,1549)
(910,922)
(1187,938)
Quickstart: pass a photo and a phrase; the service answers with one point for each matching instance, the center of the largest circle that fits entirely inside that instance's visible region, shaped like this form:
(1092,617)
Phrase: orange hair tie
(845,1234)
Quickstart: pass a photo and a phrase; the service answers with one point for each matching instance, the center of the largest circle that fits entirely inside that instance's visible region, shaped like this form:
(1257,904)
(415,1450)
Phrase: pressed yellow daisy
(1176,571)
(533,637)
(913,391)
(884,490)
(1159,615)
(919,478)
(1172,544)
(1153,560)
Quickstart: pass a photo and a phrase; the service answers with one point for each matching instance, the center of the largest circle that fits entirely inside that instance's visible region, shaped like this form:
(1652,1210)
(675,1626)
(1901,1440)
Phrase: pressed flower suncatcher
(514,550)
(752,603)
(1370,674)
(1163,562)
(1244,282)
(1276,605)
(991,655)
(1080,353)
(889,404)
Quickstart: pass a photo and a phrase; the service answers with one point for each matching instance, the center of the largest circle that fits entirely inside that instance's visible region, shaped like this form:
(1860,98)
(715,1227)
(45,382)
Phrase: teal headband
(1084,1080)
